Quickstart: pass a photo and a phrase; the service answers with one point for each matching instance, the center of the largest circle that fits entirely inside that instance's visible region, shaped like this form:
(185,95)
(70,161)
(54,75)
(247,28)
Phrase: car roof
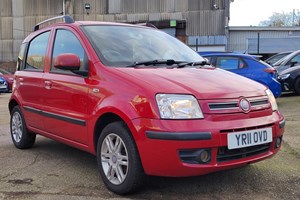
(77,24)
(290,70)
(229,54)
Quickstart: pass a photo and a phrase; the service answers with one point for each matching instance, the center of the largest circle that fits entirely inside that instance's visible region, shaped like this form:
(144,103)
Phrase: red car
(141,101)
(9,77)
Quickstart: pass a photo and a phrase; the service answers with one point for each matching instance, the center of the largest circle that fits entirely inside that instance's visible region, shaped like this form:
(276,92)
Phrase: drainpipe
(64,7)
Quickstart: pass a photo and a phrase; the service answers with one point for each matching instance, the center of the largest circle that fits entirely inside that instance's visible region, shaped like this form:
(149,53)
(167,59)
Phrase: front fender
(126,107)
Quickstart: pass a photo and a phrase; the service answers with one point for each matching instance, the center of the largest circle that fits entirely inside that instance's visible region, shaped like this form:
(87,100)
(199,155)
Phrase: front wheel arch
(101,123)
(297,86)
(107,158)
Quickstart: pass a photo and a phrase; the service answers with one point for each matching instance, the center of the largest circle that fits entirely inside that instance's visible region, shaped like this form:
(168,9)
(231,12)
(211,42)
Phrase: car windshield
(276,57)
(122,46)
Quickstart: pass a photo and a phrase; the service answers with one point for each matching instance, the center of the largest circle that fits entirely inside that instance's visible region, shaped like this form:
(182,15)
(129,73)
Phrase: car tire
(20,135)
(297,86)
(118,159)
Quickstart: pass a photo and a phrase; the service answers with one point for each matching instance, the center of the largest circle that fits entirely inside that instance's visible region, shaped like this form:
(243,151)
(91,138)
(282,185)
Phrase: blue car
(246,65)
(3,85)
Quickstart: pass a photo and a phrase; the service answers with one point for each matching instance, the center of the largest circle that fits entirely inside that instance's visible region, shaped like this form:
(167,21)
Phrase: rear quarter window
(230,63)
(20,61)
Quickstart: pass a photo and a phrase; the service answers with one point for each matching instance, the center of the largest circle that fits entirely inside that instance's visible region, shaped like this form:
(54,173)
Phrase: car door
(233,64)
(29,78)
(65,98)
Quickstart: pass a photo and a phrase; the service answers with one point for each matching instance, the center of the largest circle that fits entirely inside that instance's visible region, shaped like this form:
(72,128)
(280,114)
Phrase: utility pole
(293,22)
(258,38)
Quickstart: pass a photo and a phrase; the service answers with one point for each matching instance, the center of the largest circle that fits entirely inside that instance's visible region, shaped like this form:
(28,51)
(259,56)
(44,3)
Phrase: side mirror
(293,63)
(67,61)
(207,61)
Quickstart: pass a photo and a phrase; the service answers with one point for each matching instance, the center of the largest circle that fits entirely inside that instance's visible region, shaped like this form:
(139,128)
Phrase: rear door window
(37,49)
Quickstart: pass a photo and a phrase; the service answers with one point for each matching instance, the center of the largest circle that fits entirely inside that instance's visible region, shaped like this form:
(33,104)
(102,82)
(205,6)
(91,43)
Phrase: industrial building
(192,21)
(263,40)
(201,24)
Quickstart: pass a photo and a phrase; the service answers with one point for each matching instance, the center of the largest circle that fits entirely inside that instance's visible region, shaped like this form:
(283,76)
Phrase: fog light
(195,156)
(278,142)
(204,156)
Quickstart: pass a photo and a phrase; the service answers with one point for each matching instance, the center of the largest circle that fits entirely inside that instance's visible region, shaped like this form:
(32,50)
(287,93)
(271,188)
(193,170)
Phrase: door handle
(48,85)
(20,80)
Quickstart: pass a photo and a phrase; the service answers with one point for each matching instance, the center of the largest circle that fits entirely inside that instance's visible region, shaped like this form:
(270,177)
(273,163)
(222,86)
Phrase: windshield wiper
(202,63)
(155,62)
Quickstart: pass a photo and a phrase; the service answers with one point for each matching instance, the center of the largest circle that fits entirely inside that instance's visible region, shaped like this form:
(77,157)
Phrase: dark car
(273,59)
(9,77)
(290,79)
(288,61)
(3,85)
(248,66)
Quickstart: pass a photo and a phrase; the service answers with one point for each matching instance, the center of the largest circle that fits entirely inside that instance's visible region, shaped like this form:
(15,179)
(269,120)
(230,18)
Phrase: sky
(251,12)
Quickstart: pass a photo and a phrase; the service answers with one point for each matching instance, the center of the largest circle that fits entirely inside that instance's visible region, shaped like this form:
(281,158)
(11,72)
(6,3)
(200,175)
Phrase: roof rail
(67,19)
(147,24)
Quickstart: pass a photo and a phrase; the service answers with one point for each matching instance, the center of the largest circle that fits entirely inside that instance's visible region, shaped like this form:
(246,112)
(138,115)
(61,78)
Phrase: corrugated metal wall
(18,17)
(239,40)
(267,45)
(6,36)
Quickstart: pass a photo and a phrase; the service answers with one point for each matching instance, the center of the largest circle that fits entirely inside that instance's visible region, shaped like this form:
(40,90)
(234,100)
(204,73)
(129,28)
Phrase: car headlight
(177,106)
(283,77)
(272,100)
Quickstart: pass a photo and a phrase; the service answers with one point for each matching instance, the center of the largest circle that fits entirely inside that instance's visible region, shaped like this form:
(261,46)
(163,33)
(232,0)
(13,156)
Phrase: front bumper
(160,142)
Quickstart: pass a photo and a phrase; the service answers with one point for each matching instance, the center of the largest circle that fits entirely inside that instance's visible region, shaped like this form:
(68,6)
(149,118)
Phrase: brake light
(270,70)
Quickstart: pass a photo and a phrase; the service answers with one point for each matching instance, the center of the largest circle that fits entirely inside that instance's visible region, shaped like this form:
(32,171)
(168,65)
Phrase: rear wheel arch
(12,104)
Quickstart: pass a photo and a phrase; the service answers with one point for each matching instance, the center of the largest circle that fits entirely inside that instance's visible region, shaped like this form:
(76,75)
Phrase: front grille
(256,104)
(259,102)
(225,154)
(220,106)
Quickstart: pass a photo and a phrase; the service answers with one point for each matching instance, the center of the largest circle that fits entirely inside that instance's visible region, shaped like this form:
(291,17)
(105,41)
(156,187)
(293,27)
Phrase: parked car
(273,59)
(3,85)
(141,101)
(9,77)
(248,66)
(290,79)
(288,61)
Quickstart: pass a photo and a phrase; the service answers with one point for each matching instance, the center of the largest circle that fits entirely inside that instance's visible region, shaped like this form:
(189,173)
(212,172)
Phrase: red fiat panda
(139,100)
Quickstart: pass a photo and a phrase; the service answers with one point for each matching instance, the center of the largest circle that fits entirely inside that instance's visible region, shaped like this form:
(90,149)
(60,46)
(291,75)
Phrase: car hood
(289,70)
(204,83)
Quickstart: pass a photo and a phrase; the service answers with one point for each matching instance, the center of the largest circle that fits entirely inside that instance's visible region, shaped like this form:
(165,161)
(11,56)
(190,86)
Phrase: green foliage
(282,19)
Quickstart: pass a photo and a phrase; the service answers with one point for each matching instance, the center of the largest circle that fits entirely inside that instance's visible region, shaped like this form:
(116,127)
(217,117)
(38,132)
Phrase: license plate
(249,138)
(2,86)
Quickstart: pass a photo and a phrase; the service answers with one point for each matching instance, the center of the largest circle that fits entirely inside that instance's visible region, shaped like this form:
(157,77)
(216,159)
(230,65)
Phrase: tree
(282,19)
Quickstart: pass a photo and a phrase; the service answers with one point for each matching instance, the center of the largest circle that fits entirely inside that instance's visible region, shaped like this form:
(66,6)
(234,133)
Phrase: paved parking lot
(51,170)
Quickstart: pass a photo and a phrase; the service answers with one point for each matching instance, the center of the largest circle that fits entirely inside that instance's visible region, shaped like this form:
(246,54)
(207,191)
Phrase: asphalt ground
(51,170)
